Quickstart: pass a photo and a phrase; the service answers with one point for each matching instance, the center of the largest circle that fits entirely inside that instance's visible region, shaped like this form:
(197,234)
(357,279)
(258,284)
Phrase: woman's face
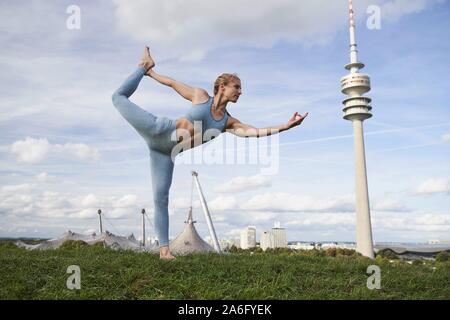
(232,90)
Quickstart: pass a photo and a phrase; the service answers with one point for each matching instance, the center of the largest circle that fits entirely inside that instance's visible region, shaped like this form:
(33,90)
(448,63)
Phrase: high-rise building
(248,238)
(265,240)
(275,238)
(279,238)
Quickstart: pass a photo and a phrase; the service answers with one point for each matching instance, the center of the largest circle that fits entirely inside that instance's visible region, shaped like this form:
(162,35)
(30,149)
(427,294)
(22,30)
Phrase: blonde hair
(224,79)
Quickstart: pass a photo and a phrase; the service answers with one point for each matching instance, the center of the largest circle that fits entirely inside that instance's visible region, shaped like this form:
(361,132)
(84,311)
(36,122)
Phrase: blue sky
(65,151)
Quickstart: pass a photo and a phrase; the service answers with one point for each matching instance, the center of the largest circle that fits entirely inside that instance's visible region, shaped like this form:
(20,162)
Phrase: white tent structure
(189,241)
(107,238)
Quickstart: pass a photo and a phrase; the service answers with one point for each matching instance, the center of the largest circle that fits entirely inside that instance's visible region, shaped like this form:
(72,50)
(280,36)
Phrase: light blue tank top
(202,112)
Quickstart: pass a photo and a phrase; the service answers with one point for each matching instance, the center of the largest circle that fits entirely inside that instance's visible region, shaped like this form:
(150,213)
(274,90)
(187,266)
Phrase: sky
(65,151)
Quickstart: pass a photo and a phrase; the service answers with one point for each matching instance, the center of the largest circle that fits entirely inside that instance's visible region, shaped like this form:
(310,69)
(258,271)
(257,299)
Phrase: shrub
(7,244)
(417,262)
(312,253)
(333,252)
(258,250)
(443,256)
(235,249)
(99,244)
(388,254)
(282,250)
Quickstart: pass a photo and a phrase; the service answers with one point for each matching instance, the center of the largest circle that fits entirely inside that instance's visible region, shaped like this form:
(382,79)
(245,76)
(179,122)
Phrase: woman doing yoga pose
(166,137)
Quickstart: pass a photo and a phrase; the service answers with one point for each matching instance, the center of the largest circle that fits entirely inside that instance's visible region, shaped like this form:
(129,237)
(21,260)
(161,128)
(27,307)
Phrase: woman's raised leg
(140,119)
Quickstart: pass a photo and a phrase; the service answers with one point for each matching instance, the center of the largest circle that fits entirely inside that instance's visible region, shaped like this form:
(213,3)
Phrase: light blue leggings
(157,132)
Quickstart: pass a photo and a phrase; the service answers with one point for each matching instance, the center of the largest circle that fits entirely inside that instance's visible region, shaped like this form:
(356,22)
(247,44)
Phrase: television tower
(357,109)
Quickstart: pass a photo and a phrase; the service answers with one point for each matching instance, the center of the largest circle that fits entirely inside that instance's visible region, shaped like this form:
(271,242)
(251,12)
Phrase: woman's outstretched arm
(195,95)
(240,129)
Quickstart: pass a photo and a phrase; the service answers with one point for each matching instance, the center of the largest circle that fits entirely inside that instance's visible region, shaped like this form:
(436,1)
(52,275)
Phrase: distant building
(236,242)
(275,238)
(279,238)
(265,240)
(302,246)
(438,241)
(248,238)
(327,245)
(224,244)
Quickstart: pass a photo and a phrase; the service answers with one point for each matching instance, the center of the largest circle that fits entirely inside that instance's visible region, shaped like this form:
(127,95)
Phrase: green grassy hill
(109,274)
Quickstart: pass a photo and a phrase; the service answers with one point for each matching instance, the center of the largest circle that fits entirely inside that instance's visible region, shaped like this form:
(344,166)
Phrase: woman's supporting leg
(140,119)
(161,166)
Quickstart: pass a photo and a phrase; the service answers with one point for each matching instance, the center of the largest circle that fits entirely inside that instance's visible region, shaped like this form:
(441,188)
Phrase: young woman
(164,136)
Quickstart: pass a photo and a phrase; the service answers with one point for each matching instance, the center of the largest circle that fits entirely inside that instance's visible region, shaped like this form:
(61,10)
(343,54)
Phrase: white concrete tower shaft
(357,109)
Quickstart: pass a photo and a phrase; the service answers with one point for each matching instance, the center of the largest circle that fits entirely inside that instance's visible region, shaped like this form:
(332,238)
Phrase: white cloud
(33,151)
(184,203)
(446,137)
(326,219)
(16,188)
(90,201)
(233,233)
(389,205)
(394,10)
(291,202)
(16,202)
(241,218)
(126,201)
(245,183)
(83,214)
(44,177)
(430,222)
(223,203)
(79,150)
(433,219)
(190,29)
(33,201)
(433,186)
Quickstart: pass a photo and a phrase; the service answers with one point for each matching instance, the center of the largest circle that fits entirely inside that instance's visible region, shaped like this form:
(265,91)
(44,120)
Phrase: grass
(109,274)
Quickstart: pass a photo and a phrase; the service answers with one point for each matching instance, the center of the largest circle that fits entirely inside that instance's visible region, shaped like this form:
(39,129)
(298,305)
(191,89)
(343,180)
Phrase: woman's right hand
(296,119)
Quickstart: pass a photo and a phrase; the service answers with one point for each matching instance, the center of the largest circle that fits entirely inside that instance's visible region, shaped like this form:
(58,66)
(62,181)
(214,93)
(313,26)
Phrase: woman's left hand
(296,120)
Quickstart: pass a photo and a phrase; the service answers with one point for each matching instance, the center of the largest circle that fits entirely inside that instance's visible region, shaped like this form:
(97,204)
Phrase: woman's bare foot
(147,61)
(164,253)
